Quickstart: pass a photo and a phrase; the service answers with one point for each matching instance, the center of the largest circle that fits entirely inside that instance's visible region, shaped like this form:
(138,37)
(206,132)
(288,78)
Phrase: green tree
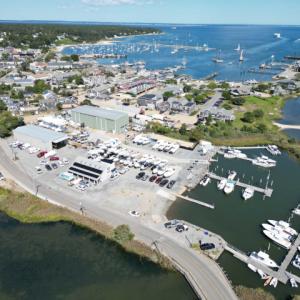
(75,57)
(187,88)
(86,102)
(258,114)
(238,101)
(226,95)
(248,117)
(183,129)
(167,95)
(66,58)
(224,85)
(5,56)
(3,106)
(49,56)
(59,106)
(122,234)
(212,85)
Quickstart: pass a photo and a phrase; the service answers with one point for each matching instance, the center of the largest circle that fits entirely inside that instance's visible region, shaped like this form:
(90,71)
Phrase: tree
(167,95)
(187,88)
(5,56)
(122,234)
(39,87)
(258,114)
(224,85)
(50,55)
(75,57)
(3,106)
(238,101)
(66,58)
(248,117)
(183,129)
(226,95)
(59,106)
(261,128)
(212,85)
(86,102)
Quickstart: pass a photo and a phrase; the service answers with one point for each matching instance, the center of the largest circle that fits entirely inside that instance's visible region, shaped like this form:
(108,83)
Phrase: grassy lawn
(65,41)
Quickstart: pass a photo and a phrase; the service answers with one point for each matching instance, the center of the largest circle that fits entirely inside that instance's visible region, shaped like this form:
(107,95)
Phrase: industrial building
(40,137)
(92,171)
(102,119)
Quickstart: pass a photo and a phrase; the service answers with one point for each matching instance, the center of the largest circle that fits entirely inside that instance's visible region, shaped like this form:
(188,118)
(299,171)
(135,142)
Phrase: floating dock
(211,206)
(266,191)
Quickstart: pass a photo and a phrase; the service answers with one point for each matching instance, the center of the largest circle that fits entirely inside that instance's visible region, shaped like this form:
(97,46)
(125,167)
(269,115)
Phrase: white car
(1,177)
(65,161)
(38,170)
(134,213)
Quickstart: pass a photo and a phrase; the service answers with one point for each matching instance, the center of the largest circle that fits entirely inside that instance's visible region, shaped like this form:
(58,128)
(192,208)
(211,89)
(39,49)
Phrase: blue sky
(156,11)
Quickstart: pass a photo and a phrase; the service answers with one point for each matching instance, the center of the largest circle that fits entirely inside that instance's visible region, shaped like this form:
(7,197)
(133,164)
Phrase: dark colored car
(172,223)
(171,184)
(145,177)
(54,166)
(158,180)
(48,167)
(152,178)
(53,158)
(207,246)
(163,182)
(140,175)
(41,154)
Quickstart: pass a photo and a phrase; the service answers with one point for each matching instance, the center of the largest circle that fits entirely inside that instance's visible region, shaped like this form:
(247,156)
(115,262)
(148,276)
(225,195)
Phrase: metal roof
(43,134)
(99,112)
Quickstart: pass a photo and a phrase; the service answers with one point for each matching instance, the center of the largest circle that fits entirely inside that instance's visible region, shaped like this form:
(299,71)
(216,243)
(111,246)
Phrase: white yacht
(222,184)
(277,239)
(238,48)
(205,181)
(293,283)
(229,187)
(277,35)
(263,258)
(296,211)
(284,225)
(232,175)
(242,56)
(296,263)
(273,149)
(277,230)
(264,162)
(248,193)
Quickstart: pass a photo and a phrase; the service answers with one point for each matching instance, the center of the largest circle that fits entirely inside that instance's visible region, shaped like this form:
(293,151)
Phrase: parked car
(140,175)
(152,178)
(54,166)
(48,167)
(163,182)
(171,184)
(41,154)
(65,161)
(181,228)
(39,170)
(1,176)
(134,213)
(53,158)
(158,180)
(145,177)
(171,224)
(207,246)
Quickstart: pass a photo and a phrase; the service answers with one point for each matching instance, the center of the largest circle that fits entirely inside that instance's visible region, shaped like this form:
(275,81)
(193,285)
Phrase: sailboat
(242,56)
(238,49)
(218,59)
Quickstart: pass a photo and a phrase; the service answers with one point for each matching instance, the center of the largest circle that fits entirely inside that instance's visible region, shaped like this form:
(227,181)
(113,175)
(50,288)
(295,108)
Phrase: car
(181,228)
(41,154)
(65,161)
(172,223)
(145,177)
(1,176)
(134,213)
(152,178)
(53,158)
(207,246)
(171,184)
(54,166)
(140,175)
(43,162)
(38,169)
(48,167)
(158,180)
(163,182)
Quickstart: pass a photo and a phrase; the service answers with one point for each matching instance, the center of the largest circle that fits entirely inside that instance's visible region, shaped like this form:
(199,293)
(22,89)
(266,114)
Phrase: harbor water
(291,116)
(63,261)
(183,43)
(238,221)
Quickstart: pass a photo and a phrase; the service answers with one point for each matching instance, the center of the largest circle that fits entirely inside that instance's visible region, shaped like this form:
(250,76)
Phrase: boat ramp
(266,191)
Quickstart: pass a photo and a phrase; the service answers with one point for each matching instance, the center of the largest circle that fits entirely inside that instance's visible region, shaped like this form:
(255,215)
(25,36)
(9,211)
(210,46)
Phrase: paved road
(203,273)
(287,126)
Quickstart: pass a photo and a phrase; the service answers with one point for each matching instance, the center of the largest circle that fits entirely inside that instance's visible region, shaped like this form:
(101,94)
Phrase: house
(181,105)
(149,100)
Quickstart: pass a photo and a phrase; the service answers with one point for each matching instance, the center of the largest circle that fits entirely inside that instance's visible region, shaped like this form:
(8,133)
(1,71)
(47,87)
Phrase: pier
(266,191)
(292,57)
(281,274)
(211,206)
(211,76)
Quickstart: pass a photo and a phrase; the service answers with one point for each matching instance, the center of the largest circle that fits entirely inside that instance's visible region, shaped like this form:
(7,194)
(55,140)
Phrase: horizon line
(138,23)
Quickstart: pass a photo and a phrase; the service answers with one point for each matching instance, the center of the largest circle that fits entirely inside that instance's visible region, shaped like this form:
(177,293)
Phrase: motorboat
(242,56)
(277,230)
(232,175)
(284,225)
(274,282)
(264,162)
(296,211)
(205,180)
(248,193)
(262,274)
(238,48)
(276,238)
(252,268)
(222,184)
(293,283)
(229,187)
(277,35)
(268,280)
(263,258)
(296,263)
(273,149)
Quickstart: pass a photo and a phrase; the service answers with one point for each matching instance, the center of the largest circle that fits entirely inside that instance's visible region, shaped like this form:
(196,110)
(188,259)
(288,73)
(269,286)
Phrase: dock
(292,57)
(211,206)
(210,76)
(281,274)
(266,191)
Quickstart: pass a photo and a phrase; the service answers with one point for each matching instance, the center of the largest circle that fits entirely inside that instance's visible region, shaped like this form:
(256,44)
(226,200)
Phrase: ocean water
(258,43)
(291,116)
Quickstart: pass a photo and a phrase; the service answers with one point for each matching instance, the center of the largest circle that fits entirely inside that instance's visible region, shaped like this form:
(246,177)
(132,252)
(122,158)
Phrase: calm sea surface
(258,43)
(62,261)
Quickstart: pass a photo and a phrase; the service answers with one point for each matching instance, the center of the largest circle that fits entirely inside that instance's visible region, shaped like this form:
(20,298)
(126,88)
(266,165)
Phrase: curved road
(205,275)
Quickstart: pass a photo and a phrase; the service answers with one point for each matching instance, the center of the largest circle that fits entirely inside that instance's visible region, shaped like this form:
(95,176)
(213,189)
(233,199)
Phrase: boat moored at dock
(284,226)
(263,258)
(248,193)
(276,238)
